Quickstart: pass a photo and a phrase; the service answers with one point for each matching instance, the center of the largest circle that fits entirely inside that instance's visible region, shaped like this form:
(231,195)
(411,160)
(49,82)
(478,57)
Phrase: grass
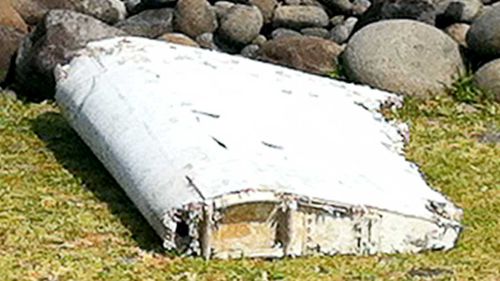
(463,89)
(62,217)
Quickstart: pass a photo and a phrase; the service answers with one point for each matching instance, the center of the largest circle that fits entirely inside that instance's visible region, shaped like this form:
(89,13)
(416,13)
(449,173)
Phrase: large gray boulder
(149,23)
(298,17)
(195,17)
(306,53)
(483,37)
(240,25)
(403,56)
(55,41)
(487,78)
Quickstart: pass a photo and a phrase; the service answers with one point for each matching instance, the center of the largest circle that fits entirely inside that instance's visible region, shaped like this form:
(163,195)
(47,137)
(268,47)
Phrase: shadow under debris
(72,153)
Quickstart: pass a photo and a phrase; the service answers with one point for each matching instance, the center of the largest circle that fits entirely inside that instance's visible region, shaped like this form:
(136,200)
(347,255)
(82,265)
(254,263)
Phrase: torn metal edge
(438,233)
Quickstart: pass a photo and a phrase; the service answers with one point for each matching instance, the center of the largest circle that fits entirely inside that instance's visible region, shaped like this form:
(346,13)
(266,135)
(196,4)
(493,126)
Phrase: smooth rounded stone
(266,7)
(9,42)
(250,51)
(259,40)
(10,17)
(206,41)
(297,17)
(338,6)
(315,31)
(241,24)
(420,10)
(458,31)
(340,33)
(284,32)
(194,17)
(306,53)
(487,78)
(221,8)
(149,23)
(403,56)
(483,37)
(459,10)
(178,38)
(54,41)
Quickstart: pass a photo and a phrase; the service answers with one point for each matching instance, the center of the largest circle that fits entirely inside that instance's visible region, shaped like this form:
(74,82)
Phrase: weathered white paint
(190,133)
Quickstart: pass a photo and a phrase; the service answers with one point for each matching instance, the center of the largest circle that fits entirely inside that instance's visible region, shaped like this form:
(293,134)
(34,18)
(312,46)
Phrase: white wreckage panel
(228,157)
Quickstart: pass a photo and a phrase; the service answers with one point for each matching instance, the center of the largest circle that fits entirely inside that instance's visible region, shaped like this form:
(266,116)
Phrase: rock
(403,56)
(292,2)
(315,31)
(178,38)
(284,32)
(251,51)
(9,42)
(10,17)
(259,40)
(420,10)
(359,7)
(266,7)
(54,41)
(221,8)
(458,31)
(483,37)
(340,33)
(133,6)
(195,17)
(452,11)
(301,3)
(240,25)
(206,41)
(336,20)
(149,23)
(310,54)
(155,4)
(297,17)
(109,11)
(338,6)
(31,11)
(487,78)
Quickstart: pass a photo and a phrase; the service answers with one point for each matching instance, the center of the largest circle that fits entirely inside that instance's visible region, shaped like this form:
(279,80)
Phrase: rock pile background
(411,47)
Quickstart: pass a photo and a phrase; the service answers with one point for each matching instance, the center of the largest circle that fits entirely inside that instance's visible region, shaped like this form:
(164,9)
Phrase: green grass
(464,89)
(62,217)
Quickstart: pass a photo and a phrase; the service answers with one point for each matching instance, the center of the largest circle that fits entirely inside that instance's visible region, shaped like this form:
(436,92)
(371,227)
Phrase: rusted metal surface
(228,157)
